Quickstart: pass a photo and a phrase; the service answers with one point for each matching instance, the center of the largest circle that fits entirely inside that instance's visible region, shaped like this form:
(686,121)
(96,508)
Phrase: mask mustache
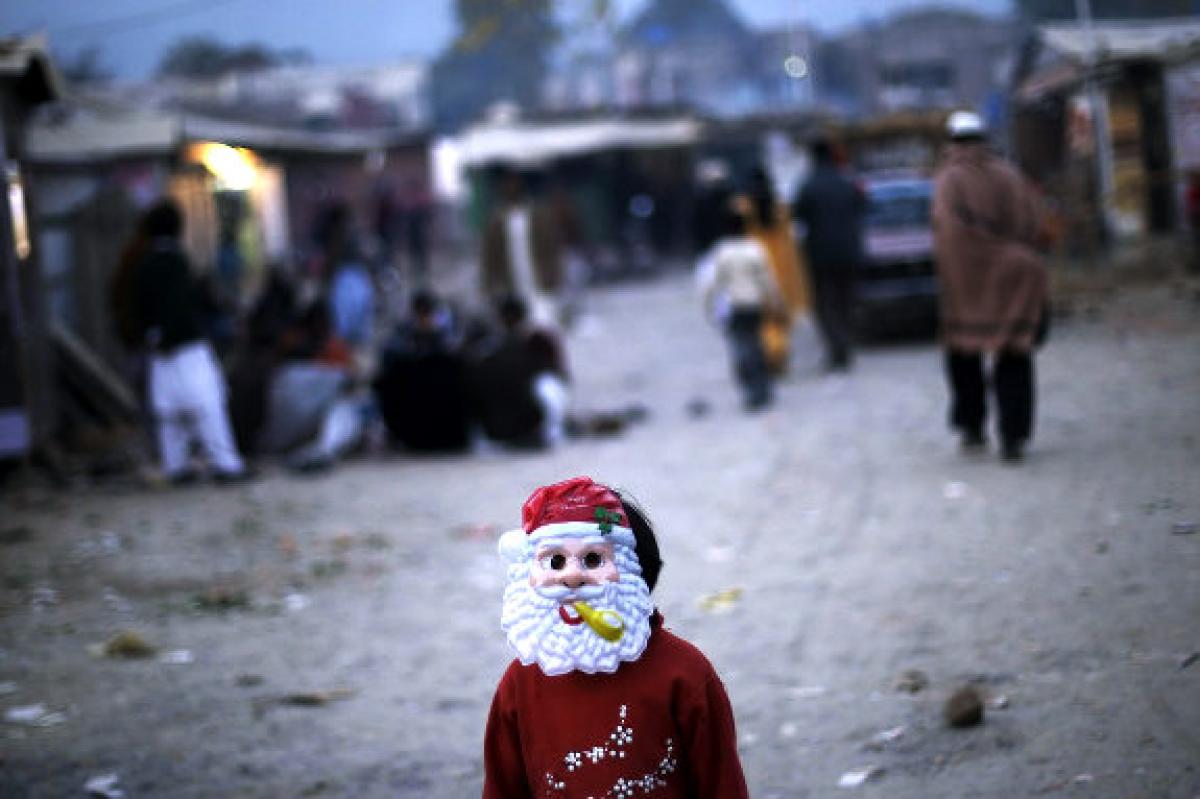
(560,593)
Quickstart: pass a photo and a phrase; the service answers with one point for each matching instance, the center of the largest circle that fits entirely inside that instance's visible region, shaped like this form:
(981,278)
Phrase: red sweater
(659,727)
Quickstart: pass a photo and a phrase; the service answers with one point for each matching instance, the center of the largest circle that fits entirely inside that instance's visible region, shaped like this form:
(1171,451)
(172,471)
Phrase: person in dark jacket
(518,382)
(187,389)
(421,387)
(831,207)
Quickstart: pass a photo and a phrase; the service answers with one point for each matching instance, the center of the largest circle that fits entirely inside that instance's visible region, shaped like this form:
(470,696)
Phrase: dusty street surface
(864,545)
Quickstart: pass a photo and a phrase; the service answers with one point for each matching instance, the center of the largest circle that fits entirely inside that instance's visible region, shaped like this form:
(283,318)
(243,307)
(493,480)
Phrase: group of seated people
(442,381)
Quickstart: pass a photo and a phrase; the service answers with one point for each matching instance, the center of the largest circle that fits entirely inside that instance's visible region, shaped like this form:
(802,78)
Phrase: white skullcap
(965,125)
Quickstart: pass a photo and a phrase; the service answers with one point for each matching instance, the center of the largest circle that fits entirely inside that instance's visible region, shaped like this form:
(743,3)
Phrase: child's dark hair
(423,303)
(512,311)
(647,543)
(163,219)
(762,196)
(733,223)
(821,150)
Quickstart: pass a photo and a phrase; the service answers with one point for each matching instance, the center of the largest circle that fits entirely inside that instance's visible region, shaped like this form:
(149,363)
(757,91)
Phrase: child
(602,700)
(741,280)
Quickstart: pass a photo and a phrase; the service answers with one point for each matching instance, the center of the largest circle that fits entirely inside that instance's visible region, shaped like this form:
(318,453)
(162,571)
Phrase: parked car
(897,282)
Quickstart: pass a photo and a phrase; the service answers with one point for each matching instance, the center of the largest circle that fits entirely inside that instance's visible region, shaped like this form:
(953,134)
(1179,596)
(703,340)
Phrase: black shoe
(233,478)
(1013,452)
(973,443)
(833,365)
(757,403)
(315,465)
(185,478)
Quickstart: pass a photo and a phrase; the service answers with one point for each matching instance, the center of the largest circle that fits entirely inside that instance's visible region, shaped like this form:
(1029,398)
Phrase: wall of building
(1183,111)
(935,59)
(313,182)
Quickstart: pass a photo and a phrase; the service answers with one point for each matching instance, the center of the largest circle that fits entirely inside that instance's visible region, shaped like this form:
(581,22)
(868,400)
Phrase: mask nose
(572,577)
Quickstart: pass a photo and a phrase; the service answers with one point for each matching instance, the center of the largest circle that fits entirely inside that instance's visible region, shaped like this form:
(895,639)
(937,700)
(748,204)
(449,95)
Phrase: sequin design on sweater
(614,749)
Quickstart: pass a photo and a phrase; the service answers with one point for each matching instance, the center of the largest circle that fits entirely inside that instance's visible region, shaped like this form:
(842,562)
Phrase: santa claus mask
(575,599)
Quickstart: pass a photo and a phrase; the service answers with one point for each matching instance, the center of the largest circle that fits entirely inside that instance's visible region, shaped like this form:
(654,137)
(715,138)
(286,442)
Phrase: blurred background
(299,597)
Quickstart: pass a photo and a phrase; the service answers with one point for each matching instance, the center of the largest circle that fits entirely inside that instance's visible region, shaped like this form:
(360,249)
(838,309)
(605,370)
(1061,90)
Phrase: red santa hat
(575,508)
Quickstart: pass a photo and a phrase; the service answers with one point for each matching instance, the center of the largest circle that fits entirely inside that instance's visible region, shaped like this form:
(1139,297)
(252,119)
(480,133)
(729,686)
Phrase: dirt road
(343,630)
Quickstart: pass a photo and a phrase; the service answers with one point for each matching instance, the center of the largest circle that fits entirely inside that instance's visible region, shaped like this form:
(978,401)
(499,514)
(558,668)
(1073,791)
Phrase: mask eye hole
(593,560)
(556,562)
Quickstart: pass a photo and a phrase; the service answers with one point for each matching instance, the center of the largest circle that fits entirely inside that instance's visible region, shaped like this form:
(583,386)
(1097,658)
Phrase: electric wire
(139,20)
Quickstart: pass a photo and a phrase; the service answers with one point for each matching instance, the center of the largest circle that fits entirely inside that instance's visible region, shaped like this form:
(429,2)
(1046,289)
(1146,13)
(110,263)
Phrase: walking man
(831,207)
(187,390)
(522,251)
(992,286)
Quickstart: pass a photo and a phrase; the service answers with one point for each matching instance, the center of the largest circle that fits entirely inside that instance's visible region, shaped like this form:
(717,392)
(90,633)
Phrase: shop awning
(1158,40)
(528,144)
(97,133)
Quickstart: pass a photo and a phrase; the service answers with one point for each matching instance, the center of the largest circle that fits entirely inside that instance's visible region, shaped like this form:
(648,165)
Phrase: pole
(810,57)
(1102,146)
(20,418)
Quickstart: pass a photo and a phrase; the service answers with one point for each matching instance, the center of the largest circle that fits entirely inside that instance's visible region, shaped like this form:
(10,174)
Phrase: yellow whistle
(604,623)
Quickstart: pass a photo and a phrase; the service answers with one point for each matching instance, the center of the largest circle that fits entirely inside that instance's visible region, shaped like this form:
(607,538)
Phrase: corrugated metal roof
(101,134)
(198,128)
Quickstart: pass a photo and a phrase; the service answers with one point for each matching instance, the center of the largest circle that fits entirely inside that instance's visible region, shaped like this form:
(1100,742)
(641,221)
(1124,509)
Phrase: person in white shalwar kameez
(187,389)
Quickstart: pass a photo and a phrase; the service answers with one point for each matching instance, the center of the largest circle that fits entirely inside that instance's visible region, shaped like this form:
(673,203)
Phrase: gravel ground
(343,628)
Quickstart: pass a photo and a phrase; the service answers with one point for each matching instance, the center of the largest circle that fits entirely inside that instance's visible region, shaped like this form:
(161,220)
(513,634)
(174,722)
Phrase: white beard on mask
(537,633)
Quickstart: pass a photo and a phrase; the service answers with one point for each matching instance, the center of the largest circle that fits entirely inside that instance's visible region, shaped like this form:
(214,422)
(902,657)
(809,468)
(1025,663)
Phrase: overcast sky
(132,34)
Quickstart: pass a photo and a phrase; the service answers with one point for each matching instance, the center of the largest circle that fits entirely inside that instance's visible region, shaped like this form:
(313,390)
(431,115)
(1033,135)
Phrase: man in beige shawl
(992,286)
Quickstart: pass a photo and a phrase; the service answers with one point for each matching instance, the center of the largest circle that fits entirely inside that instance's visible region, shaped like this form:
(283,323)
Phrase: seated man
(256,356)
(314,409)
(421,383)
(519,382)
